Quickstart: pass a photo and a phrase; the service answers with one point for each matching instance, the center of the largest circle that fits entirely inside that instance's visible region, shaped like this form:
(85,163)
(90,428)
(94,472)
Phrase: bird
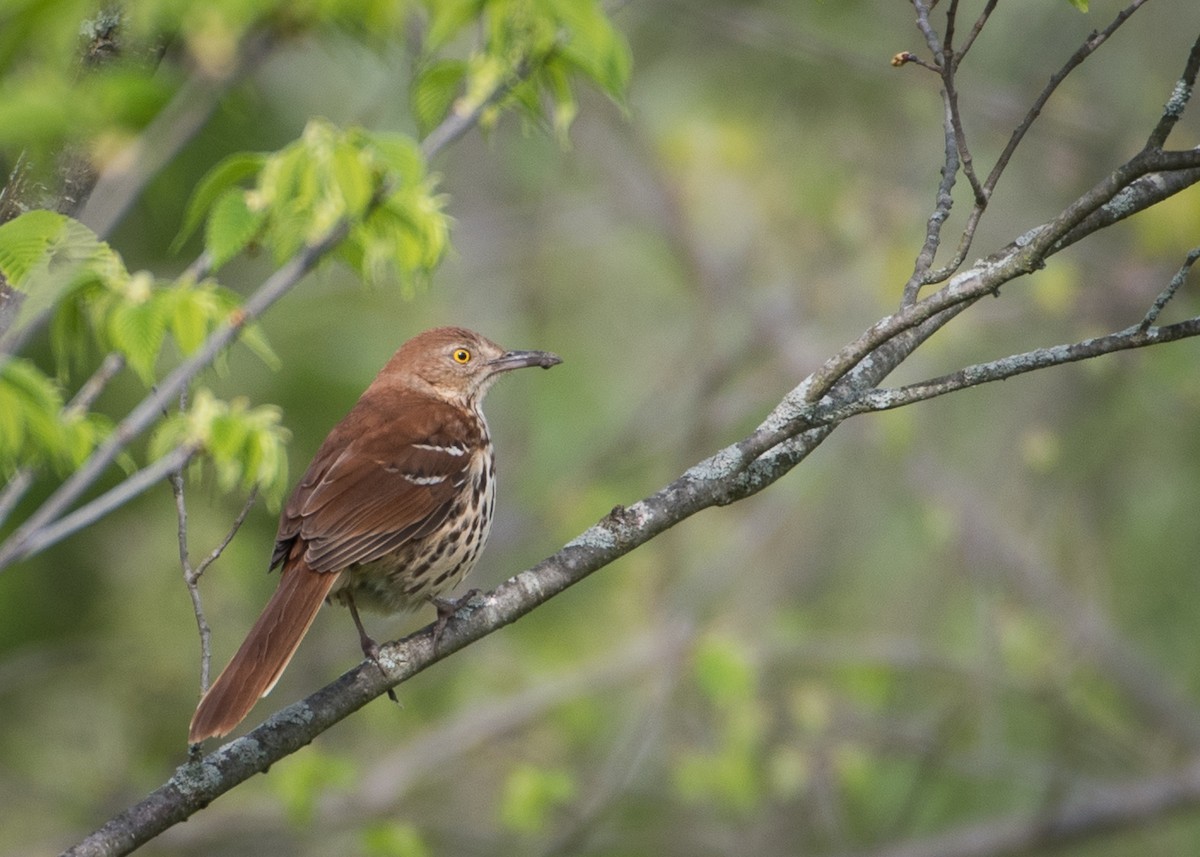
(393,511)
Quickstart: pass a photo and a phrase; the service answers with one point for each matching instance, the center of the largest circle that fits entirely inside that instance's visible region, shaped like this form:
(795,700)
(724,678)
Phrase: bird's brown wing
(388,473)
(392,478)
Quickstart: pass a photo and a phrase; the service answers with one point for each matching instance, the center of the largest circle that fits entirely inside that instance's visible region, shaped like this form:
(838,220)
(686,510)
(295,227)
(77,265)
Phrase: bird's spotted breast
(428,567)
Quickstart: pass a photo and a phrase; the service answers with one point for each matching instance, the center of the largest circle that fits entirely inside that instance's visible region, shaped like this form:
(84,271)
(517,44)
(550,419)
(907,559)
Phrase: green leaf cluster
(377,183)
(60,264)
(247,445)
(44,254)
(34,429)
(537,46)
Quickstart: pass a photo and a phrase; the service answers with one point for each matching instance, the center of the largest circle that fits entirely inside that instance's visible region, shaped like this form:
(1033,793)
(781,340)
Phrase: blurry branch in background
(123,178)
(1101,810)
(1026,570)
(845,385)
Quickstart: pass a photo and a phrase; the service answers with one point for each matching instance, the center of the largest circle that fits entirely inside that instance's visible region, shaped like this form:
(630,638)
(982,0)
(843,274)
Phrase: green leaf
(394,840)
(70,327)
(723,671)
(330,175)
(231,226)
(226,303)
(137,326)
(28,400)
(400,155)
(65,269)
(351,179)
(245,446)
(593,46)
(531,794)
(565,107)
(44,253)
(192,312)
(31,431)
(25,242)
(82,433)
(447,17)
(252,337)
(434,91)
(221,178)
(1081,5)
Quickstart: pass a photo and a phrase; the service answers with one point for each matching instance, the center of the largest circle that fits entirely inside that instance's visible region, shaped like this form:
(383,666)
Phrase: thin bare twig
(1165,296)
(937,219)
(988,186)
(975,31)
(192,575)
(802,411)
(1178,100)
(1027,254)
(829,412)
(943,55)
(1089,47)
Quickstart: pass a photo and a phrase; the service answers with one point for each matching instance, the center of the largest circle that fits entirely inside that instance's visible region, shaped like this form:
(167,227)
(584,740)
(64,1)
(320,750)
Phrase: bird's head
(459,365)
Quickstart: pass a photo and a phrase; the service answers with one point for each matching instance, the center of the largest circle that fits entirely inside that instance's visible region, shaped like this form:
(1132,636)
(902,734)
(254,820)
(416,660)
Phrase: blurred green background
(974,608)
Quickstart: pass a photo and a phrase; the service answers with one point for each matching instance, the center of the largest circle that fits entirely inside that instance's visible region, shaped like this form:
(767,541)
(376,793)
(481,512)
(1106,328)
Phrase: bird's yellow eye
(462,355)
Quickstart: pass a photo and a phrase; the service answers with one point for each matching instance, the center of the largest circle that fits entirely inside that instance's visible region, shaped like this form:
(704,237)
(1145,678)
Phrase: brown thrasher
(393,511)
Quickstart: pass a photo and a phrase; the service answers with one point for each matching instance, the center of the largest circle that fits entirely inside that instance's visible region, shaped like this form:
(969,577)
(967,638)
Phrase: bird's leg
(446,608)
(369,647)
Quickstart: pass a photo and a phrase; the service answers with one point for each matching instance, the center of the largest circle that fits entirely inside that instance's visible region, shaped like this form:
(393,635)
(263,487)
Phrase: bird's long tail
(265,653)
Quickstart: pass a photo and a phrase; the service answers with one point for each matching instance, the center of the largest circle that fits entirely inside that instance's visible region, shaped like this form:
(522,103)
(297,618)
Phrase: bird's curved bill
(521,359)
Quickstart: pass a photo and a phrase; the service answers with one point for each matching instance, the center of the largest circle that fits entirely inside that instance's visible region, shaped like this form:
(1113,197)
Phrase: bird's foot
(446,608)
